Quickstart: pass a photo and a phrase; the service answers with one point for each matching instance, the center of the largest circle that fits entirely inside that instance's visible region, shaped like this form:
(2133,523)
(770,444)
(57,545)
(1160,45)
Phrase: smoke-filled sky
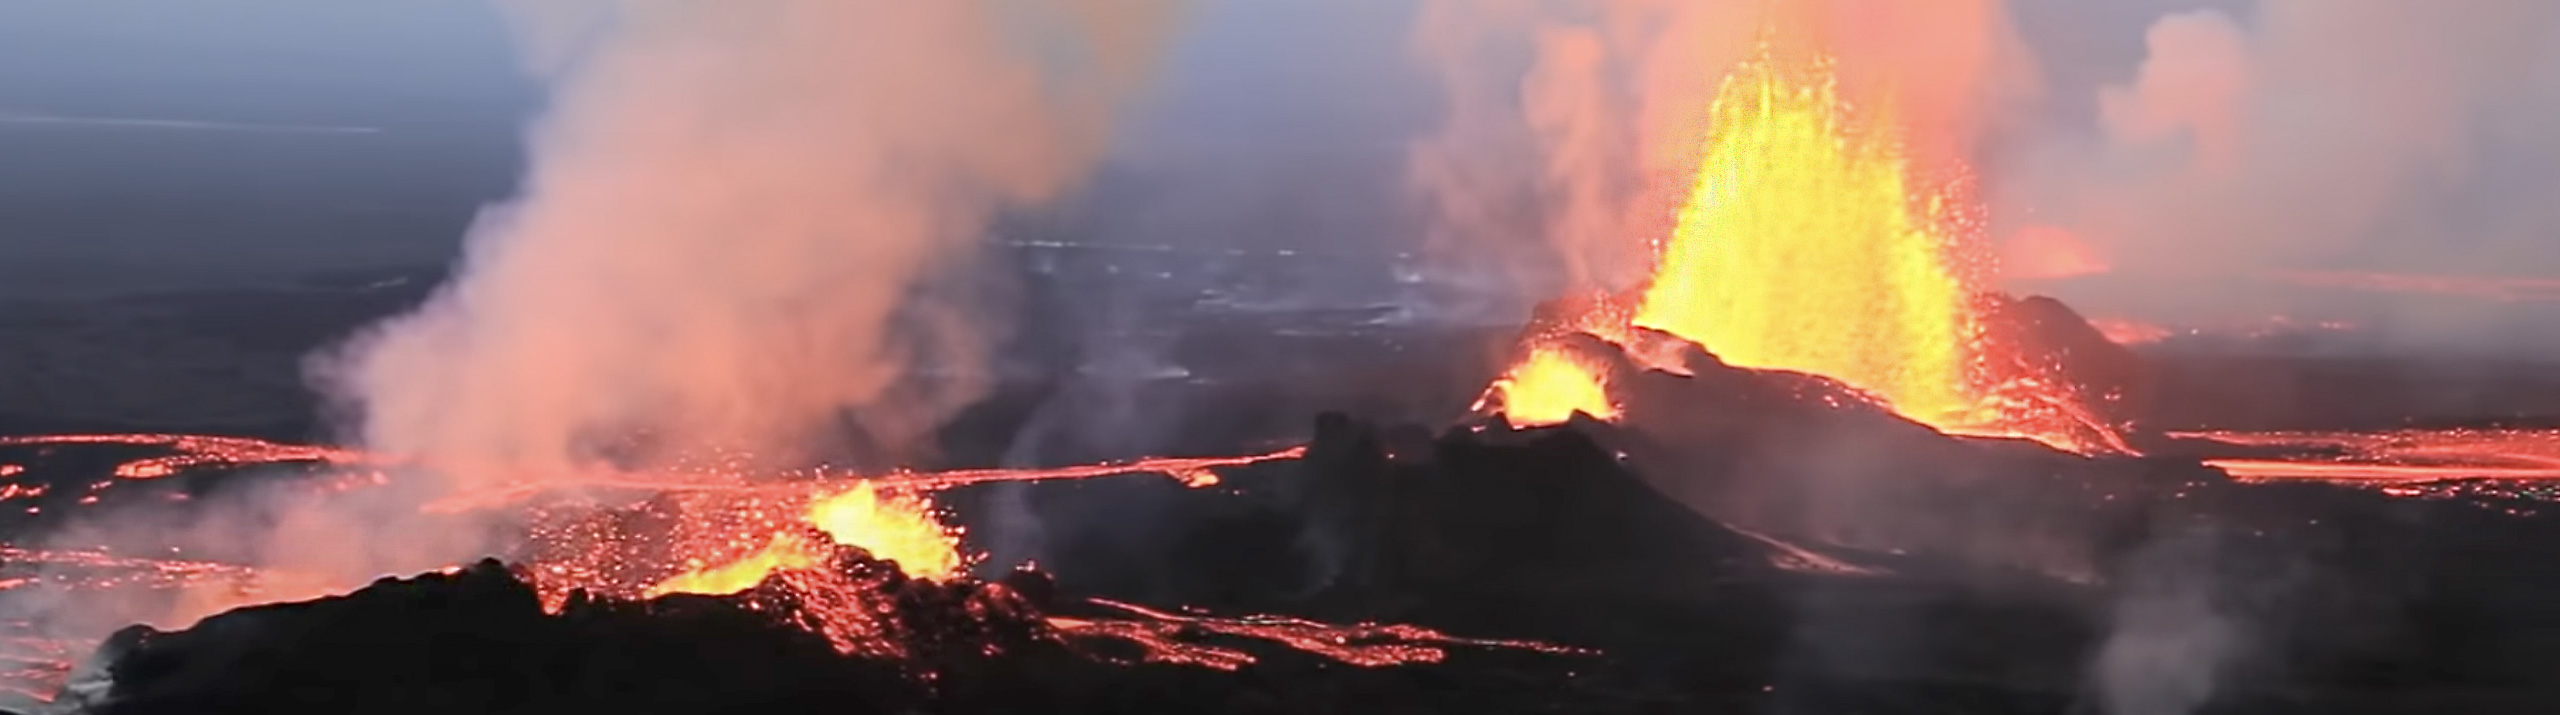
(2232,148)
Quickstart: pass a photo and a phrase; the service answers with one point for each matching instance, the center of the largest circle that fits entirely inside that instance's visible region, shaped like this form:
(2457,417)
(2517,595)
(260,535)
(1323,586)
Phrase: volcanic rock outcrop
(478,640)
(2038,335)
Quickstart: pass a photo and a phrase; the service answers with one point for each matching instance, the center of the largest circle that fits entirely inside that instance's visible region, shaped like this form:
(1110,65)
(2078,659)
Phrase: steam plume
(2311,135)
(731,216)
(2169,644)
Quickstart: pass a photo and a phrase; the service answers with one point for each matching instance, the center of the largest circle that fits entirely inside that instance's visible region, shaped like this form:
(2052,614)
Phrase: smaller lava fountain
(899,528)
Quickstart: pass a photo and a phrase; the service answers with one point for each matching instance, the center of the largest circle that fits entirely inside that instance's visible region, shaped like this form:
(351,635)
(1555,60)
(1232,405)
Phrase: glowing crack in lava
(191,451)
(1803,246)
(1367,645)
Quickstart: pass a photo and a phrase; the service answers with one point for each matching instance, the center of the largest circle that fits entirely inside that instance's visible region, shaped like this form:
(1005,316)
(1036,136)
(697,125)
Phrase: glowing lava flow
(1804,247)
(192,451)
(2396,456)
(184,452)
(1366,645)
(1192,471)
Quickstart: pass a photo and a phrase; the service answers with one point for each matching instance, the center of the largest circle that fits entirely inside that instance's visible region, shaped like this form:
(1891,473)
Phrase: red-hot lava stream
(730,535)
(2502,469)
(2393,456)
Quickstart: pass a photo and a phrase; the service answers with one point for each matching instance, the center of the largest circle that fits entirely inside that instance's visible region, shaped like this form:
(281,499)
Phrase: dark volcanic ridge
(1738,540)
(478,640)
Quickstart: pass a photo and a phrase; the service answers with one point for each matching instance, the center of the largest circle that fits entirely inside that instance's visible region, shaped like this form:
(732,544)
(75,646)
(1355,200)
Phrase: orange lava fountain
(1804,246)
(1798,250)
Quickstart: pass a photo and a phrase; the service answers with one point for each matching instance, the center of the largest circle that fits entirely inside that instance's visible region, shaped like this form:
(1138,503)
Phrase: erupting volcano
(1807,244)
(802,370)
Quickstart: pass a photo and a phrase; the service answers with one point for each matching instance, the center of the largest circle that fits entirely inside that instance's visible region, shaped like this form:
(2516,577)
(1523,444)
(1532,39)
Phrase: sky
(324,133)
(285,61)
(274,137)
(321,134)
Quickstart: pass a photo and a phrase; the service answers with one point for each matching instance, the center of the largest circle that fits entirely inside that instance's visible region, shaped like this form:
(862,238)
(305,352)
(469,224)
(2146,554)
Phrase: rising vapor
(2310,135)
(731,219)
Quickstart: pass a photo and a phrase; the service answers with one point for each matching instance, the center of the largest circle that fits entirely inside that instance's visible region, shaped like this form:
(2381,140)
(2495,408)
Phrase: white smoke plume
(732,213)
(2169,645)
(2308,135)
(732,235)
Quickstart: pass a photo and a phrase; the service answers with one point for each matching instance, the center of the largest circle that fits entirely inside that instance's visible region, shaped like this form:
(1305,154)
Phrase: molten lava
(1368,645)
(192,451)
(1548,387)
(1799,249)
(894,527)
(784,552)
(2395,456)
(1805,246)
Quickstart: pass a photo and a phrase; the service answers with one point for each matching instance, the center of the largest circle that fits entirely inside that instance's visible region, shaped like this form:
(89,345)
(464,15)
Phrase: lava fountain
(1798,250)
(1805,245)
